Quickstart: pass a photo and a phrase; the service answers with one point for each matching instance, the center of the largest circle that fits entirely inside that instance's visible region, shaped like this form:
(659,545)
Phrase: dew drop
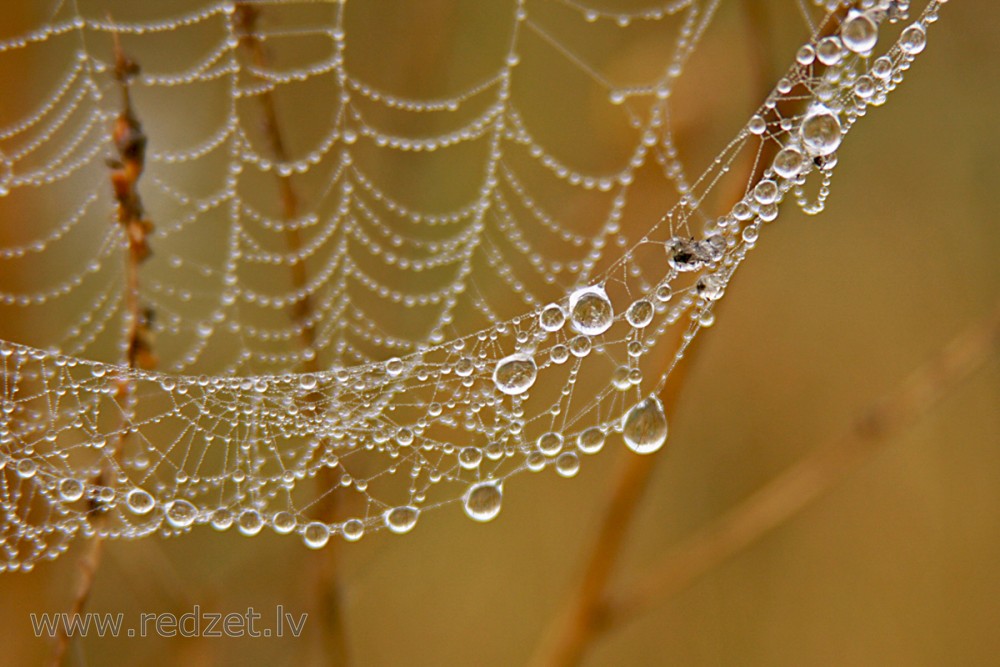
(470,457)
(70,490)
(590,310)
(640,313)
(515,374)
(550,443)
(683,255)
(307,381)
(552,317)
(283,523)
(139,501)
(181,513)
(710,287)
(820,132)
(644,427)
(591,440)
(788,162)
(859,33)
(913,40)
(353,530)
(482,501)
(568,464)
(401,519)
(394,366)
(316,534)
(250,522)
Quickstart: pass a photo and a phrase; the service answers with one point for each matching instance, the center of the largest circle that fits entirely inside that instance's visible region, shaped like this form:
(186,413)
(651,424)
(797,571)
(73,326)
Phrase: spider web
(383,279)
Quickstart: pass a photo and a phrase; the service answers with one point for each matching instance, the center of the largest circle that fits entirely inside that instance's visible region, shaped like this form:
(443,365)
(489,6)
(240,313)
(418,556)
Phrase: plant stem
(329,604)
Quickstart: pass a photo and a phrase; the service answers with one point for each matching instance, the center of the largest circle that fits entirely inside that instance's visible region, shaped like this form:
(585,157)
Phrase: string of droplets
(457,414)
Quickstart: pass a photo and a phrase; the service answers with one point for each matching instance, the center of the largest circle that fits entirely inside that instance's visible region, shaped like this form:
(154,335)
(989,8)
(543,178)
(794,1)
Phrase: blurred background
(897,565)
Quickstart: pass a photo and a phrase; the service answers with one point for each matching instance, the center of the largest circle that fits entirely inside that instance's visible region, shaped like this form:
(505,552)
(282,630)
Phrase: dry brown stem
(329,603)
(126,170)
(790,492)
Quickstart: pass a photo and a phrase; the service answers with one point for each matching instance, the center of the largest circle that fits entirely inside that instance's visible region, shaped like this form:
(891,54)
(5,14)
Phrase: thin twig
(329,604)
(582,617)
(126,170)
(810,478)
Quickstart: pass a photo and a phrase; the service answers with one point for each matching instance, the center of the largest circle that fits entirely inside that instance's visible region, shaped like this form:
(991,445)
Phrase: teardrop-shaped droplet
(515,374)
(590,311)
(644,427)
(820,132)
(139,501)
(316,534)
(482,501)
(402,519)
(181,513)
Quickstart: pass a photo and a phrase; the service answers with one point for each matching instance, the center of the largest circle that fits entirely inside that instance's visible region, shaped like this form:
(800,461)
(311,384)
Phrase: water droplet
(830,50)
(515,374)
(550,443)
(316,534)
(482,501)
(139,501)
(591,440)
(283,523)
(402,519)
(70,490)
(353,530)
(788,162)
(394,366)
(250,522)
(568,464)
(820,132)
(552,317)
(913,40)
(590,310)
(682,255)
(766,192)
(307,382)
(859,33)
(710,287)
(470,457)
(619,378)
(181,513)
(640,313)
(644,427)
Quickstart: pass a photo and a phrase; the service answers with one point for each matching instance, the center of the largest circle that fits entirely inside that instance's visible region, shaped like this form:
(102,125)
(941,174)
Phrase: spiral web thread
(451,344)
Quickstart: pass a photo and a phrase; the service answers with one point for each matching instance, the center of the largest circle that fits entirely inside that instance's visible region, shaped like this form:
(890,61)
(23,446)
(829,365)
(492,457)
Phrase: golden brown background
(896,566)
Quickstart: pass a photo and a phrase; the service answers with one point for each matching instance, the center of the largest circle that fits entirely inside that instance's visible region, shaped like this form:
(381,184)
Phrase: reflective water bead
(859,32)
(820,131)
(401,520)
(590,311)
(180,513)
(482,501)
(568,464)
(353,530)
(682,254)
(552,317)
(394,366)
(788,162)
(515,374)
(550,443)
(710,287)
(830,50)
(766,192)
(619,378)
(591,440)
(640,313)
(470,457)
(139,501)
(249,522)
(644,427)
(70,489)
(913,40)
(316,535)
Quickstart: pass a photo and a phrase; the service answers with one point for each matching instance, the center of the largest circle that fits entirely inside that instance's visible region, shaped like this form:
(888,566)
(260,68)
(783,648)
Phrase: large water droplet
(550,443)
(568,464)
(316,534)
(644,427)
(820,132)
(482,501)
(640,313)
(515,374)
(859,33)
(181,513)
(250,522)
(353,530)
(590,311)
(402,519)
(913,40)
(591,440)
(139,501)
(70,490)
